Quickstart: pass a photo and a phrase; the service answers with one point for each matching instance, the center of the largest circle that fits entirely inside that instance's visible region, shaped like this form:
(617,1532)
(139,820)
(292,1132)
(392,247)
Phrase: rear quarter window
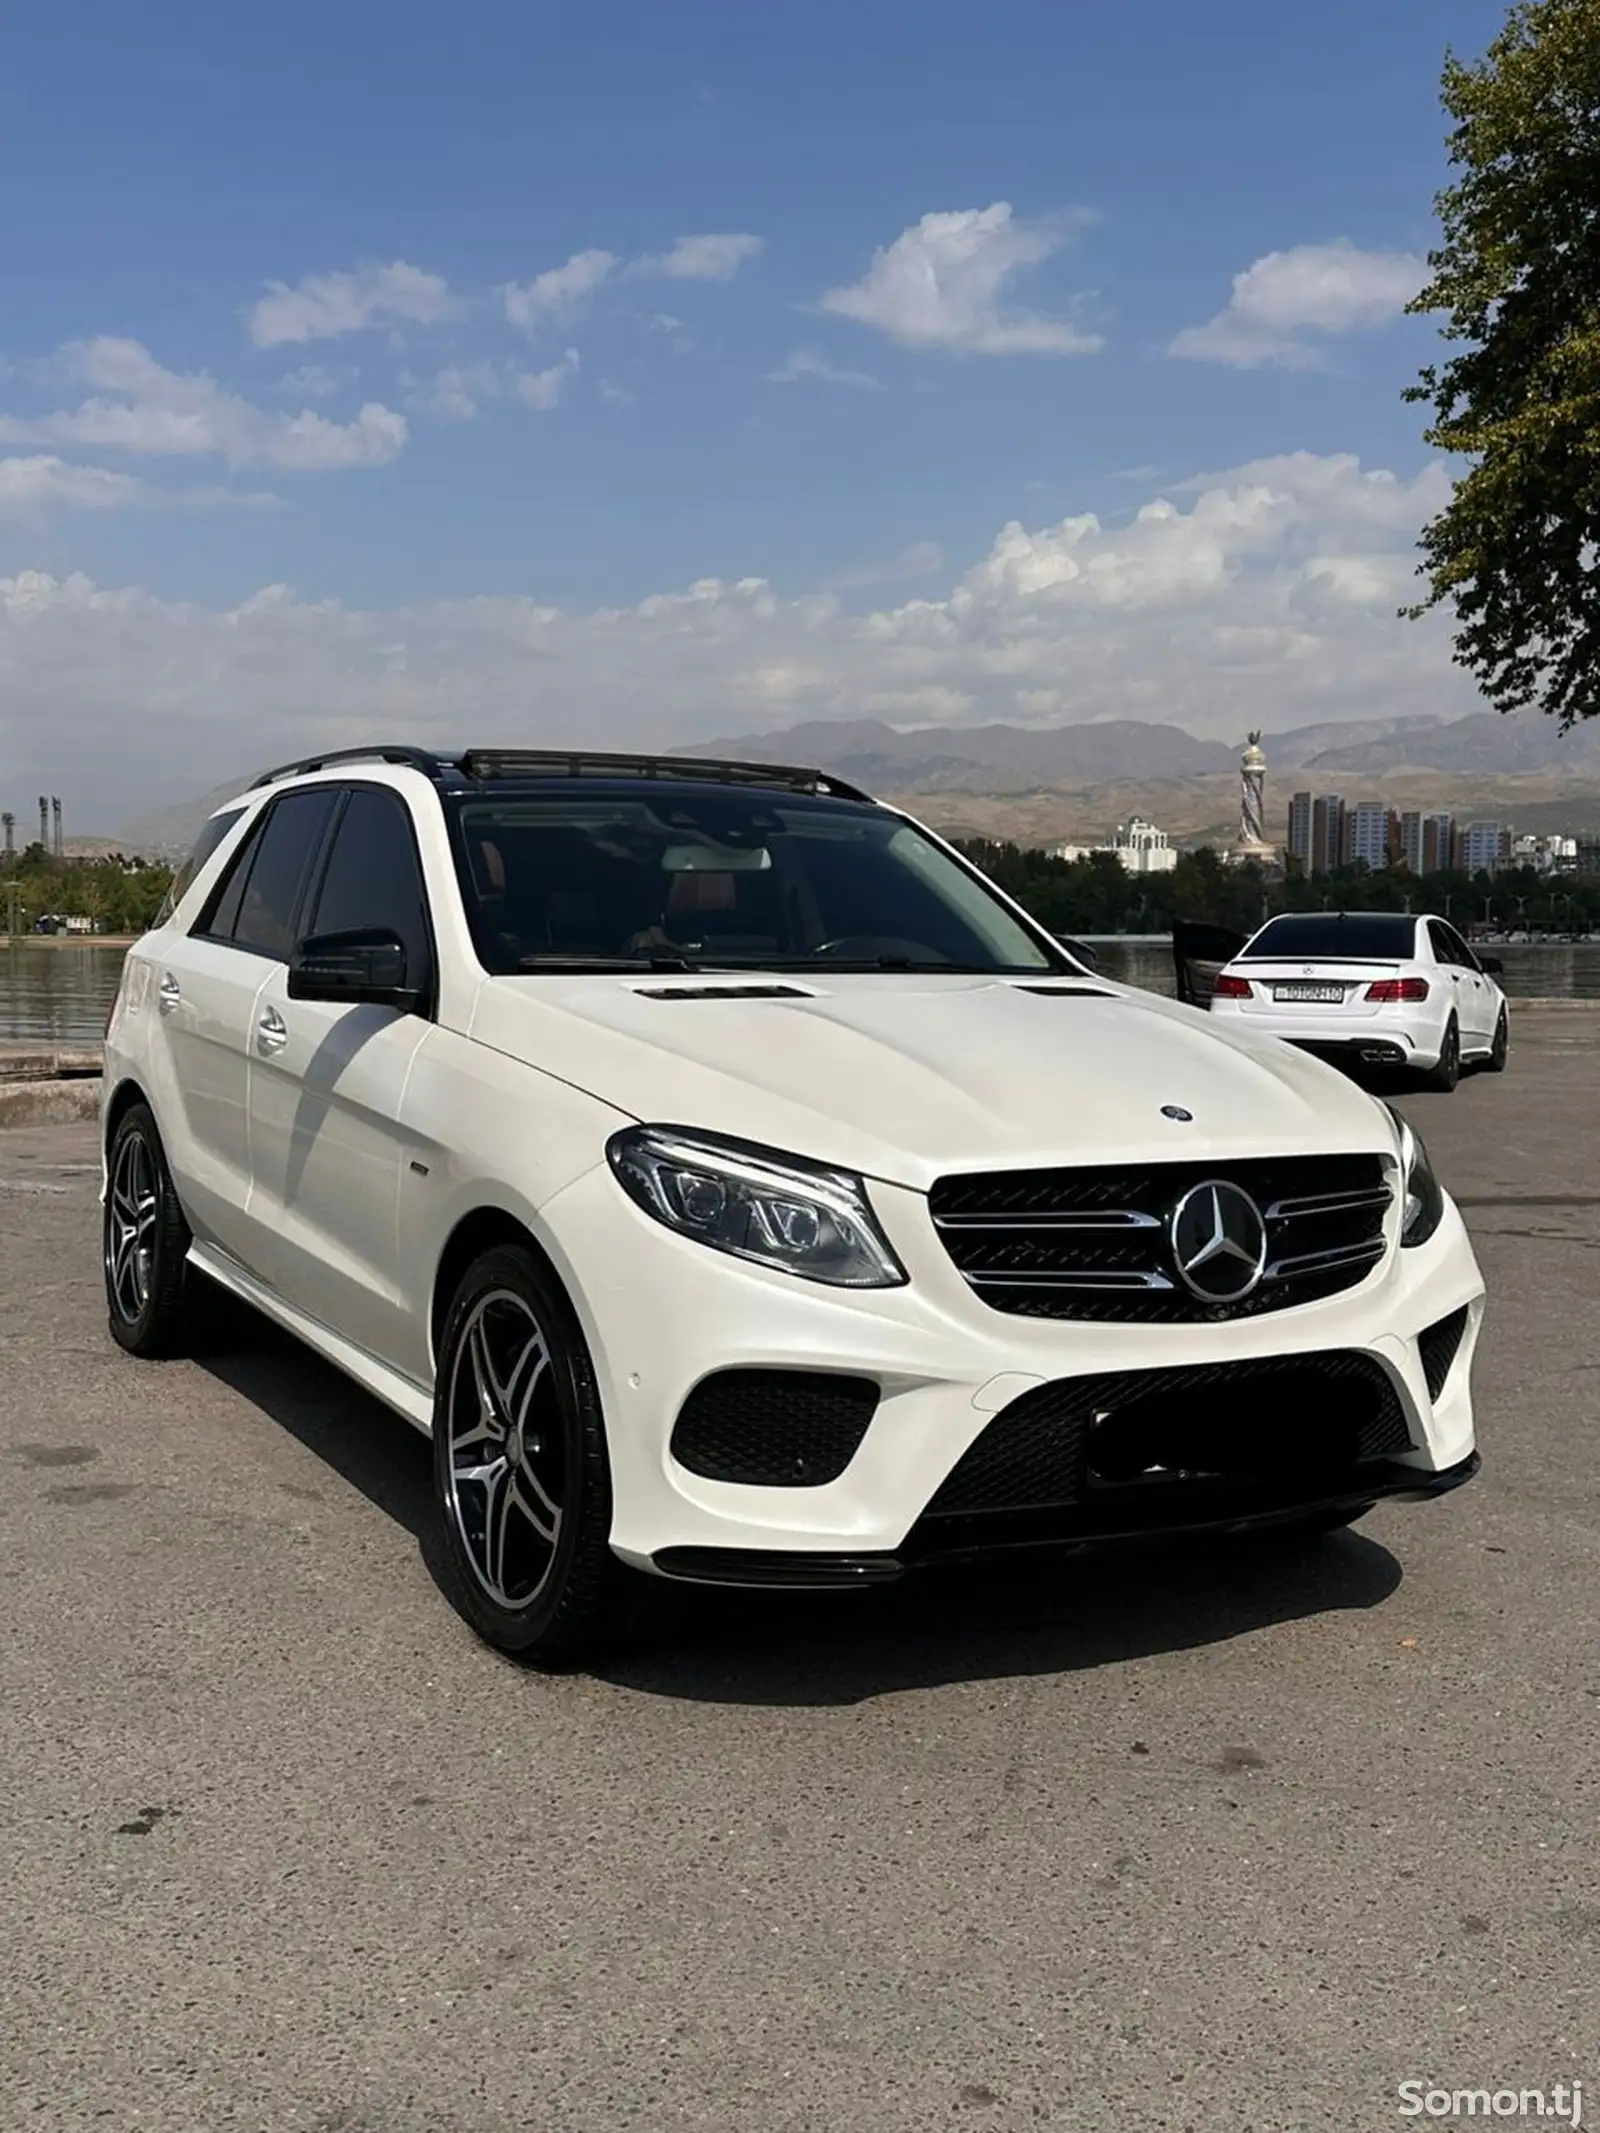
(191,869)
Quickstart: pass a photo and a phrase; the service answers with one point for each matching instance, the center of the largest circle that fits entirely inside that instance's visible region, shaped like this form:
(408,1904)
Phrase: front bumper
(1236,1508)
(663,1314)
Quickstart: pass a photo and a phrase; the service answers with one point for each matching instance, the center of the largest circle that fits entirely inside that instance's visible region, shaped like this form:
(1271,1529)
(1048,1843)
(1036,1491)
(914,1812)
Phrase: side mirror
(365,967)
(1493,965)
(1080,951)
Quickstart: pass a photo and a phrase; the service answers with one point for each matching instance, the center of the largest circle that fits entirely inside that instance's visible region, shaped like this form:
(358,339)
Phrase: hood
(907,1077)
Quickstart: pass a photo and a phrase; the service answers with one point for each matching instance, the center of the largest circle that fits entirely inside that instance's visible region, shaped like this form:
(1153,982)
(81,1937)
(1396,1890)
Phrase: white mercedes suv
(738,1188)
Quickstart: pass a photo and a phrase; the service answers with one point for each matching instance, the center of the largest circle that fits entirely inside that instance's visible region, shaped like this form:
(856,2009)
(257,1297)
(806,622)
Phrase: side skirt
(407,1399)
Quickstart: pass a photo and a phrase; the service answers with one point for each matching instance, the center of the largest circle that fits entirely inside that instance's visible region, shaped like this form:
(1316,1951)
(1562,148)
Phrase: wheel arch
(475,1233)
(115,1109)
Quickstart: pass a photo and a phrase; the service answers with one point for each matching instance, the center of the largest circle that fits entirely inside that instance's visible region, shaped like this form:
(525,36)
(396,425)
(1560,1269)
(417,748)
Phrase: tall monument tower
(1253,804)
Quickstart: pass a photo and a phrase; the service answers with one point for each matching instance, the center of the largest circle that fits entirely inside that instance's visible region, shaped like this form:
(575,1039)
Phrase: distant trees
(1098,895)
(118,895)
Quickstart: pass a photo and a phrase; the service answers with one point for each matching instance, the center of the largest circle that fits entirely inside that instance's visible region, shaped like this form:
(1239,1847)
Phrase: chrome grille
(1093,1243)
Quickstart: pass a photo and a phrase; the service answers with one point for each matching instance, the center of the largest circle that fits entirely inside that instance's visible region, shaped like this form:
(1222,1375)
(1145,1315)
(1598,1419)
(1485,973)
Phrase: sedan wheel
(145,1245)
(520,1468)
(1447,1073)
(1496,1061)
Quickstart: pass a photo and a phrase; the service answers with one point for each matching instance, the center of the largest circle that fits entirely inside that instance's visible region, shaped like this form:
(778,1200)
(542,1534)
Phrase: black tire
(144,1243)
(522,1481)
(1447,1073)
(1500,1050)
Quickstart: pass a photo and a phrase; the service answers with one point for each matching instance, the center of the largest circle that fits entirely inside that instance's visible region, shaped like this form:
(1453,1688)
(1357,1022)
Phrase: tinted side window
(1445,946)
(1463,954)
(205,844)
(270,891)
(221,907)
(374,878)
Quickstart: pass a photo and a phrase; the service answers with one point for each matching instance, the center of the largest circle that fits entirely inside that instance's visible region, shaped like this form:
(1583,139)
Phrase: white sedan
(1376,987)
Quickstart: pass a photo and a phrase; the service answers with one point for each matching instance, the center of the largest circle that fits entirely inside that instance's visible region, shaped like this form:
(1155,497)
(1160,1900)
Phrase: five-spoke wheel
(146,1241)
(520,1464)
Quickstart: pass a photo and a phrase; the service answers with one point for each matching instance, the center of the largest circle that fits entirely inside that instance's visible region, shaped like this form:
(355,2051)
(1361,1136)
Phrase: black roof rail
(490,763)
(423,759)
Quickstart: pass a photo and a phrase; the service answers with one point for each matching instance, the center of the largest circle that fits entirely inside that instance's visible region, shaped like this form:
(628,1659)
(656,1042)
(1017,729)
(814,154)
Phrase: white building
(1550,855)
(1141,847)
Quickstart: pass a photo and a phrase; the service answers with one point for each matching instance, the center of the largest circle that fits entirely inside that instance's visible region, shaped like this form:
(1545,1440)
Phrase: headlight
(1423,1207)
(774,1209)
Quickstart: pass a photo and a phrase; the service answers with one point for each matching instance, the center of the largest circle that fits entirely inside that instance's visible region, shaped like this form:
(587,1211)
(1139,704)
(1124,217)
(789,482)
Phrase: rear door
(207,982)
(1472,989)
(1475,992)
(326,1088)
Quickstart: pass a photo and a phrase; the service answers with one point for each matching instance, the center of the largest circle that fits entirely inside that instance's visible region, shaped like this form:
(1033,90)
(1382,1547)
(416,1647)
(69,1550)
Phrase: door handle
(272,1032)
(169,994)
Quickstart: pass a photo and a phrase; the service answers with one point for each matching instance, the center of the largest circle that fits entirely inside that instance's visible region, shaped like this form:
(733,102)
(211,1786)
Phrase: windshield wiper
(650,959)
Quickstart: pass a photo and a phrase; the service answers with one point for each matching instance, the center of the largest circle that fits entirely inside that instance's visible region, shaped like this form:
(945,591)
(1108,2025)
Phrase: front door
(327,1087)
(206,987)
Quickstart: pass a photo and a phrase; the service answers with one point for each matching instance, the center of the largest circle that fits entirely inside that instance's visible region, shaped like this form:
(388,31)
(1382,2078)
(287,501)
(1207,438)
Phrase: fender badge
(1184,1118)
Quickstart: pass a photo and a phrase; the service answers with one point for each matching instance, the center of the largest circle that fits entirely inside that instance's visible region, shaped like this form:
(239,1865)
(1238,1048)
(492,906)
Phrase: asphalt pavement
(1235,1838)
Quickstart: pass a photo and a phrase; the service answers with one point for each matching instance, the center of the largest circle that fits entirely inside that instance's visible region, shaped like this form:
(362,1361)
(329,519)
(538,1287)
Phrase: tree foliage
(1098,895)
(118,895)
(1517,278)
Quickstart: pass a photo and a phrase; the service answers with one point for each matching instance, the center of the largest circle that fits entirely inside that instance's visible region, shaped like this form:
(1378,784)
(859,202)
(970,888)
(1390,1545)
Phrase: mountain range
(1048,783)
(997,759)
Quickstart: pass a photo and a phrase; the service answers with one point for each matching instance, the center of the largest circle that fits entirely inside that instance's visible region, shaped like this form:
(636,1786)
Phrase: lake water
(61,994)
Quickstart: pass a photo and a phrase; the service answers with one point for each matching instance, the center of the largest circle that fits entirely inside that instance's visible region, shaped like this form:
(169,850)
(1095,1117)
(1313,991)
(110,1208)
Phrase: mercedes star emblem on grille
(1219,1241)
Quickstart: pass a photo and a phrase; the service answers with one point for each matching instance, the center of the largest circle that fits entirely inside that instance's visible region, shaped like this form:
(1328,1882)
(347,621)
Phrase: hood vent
(771,991)
(1067,992)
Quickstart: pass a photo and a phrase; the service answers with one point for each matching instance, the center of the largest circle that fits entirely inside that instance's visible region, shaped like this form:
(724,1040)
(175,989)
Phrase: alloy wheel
(132,1210)
(507,1443)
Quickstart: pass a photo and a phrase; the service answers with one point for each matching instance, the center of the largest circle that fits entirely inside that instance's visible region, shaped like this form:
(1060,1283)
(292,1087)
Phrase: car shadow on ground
(1052,1615)
(1058,1615)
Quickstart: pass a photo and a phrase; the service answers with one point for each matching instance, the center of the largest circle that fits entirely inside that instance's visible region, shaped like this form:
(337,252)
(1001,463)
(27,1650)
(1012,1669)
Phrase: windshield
(1359,936)
(723,880)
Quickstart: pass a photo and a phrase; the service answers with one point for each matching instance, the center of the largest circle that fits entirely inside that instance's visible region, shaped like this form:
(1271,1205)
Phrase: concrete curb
(49,1103)
(50,1062)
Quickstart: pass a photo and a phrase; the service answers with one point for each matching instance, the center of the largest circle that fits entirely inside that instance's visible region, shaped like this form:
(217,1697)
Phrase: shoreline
(70,940)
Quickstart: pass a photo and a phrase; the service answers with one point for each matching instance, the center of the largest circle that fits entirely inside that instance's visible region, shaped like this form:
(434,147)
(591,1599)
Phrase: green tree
(1517,280)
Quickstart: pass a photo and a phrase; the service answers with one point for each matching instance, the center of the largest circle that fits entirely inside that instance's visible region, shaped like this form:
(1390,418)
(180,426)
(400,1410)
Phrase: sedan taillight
(1387,990)
(1227,988)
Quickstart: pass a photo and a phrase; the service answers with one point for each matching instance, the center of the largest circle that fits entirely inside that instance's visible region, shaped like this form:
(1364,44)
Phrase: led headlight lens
(774,1209)
(1423,1208)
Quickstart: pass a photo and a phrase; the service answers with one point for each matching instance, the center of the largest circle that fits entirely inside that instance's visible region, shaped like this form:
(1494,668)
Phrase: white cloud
(943,284)
(1266,597)
(324,306)
(812,363)
(1316,288)
(458,392)
(33,484)
(40,483)
(618,395)
(541,389)
(164,411)
(712,256)
(559,294)
(920,560)
(313,381)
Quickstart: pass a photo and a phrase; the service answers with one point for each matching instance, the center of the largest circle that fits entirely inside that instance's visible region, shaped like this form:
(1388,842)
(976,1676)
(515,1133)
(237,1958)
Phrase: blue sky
(849,405)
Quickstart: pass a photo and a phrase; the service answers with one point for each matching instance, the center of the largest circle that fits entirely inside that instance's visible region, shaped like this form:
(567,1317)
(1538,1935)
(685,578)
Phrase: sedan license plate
(1320,995)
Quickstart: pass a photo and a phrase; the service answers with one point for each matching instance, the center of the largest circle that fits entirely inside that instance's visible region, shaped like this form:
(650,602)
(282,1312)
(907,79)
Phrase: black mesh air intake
(1281,1418)
(774,1428)
(1438,1345)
